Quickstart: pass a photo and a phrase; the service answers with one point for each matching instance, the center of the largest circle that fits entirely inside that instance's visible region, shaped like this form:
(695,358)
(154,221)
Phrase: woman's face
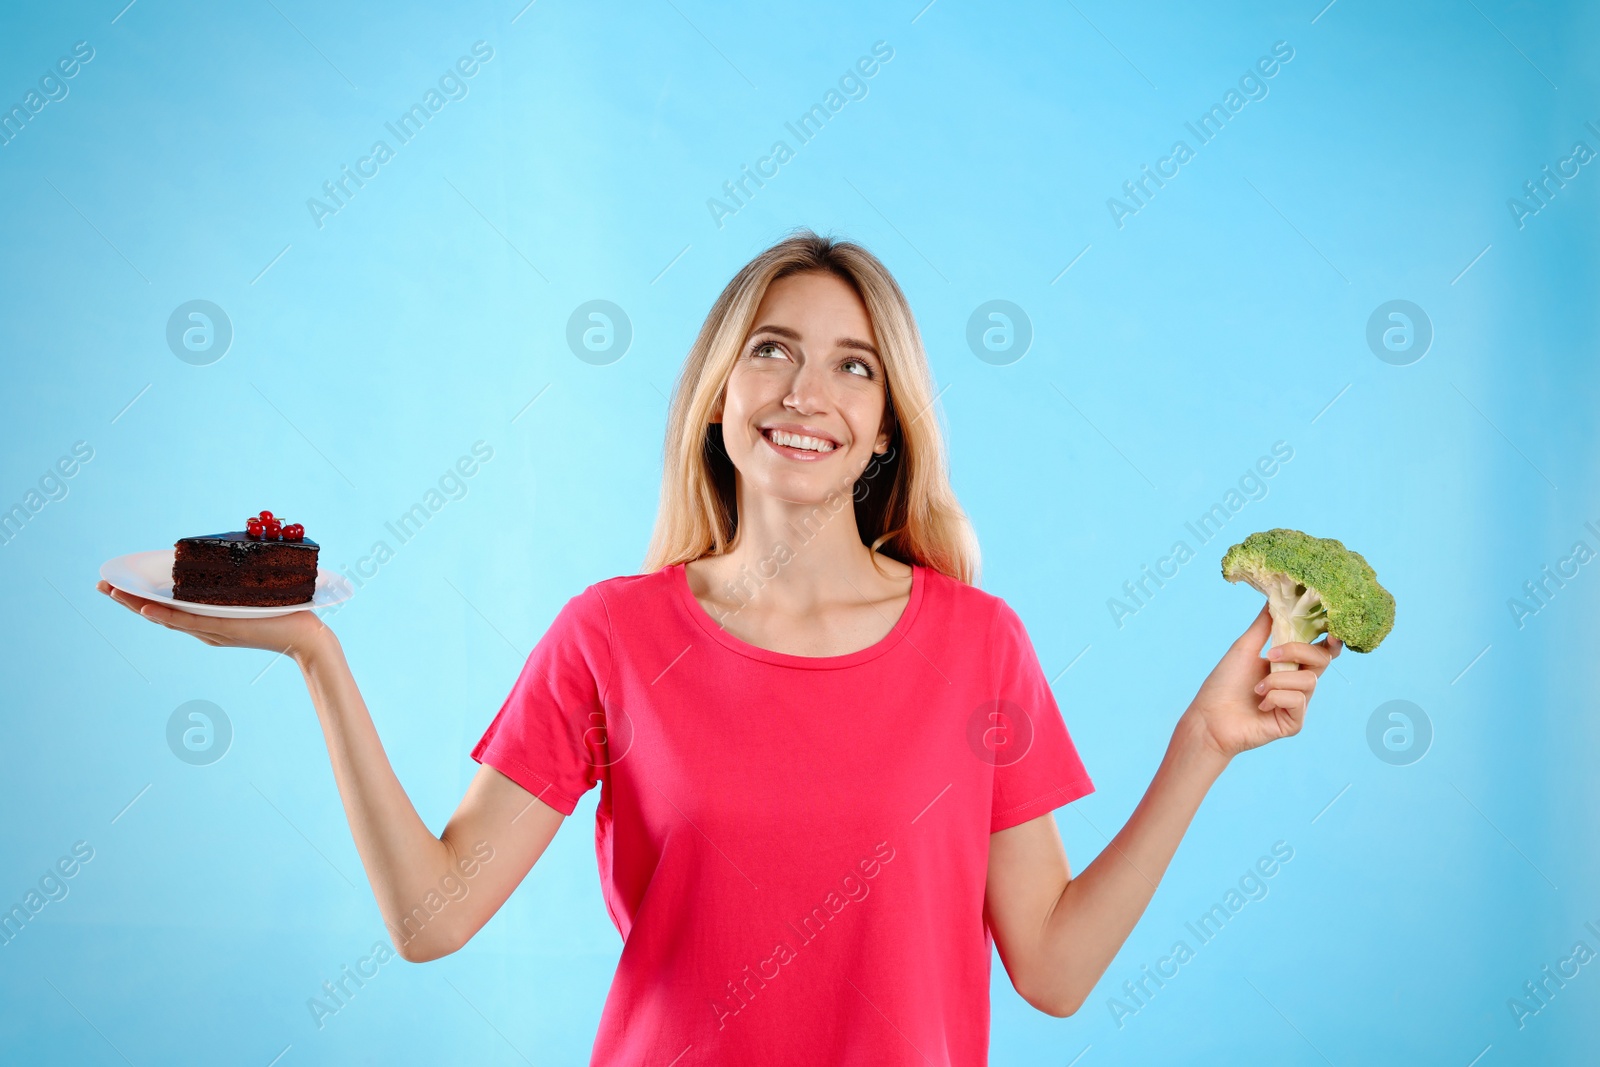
(803,409)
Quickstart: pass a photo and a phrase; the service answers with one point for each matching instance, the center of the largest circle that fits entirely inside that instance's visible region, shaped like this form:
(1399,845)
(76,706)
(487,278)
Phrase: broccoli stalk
(1313,585)
(1298,613)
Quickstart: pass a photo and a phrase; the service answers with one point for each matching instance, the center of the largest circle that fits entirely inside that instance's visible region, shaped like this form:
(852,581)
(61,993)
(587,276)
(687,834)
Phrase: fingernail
(1261,687)
(1275,653)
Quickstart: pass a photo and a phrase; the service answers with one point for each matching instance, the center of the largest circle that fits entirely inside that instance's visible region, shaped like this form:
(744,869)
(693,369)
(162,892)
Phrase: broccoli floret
(1313,585)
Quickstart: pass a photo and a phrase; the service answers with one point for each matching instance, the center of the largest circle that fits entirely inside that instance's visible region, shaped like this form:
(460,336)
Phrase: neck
(796,554)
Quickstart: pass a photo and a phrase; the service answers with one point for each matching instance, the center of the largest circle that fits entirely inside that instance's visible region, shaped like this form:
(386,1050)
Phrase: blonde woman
(827,760)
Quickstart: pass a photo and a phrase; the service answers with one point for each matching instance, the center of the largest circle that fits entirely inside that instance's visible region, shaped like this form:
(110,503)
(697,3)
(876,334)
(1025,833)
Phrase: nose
(807,389)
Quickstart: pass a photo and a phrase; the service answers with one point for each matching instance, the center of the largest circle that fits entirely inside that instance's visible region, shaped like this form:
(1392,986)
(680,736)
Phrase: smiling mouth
(787,443)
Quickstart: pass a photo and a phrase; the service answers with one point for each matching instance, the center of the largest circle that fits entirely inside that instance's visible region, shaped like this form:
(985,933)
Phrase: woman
(828,761)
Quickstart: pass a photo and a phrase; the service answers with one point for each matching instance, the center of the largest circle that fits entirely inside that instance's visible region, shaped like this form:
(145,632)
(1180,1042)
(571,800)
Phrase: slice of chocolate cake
(270,567)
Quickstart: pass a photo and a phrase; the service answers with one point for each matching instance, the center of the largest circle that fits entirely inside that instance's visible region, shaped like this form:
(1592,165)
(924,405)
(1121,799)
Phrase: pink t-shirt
(793,848)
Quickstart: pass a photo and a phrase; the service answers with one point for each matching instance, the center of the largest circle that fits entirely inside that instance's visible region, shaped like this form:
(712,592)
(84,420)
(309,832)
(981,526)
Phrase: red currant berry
(253,527)
(266,516)
(294,532)
(273,529)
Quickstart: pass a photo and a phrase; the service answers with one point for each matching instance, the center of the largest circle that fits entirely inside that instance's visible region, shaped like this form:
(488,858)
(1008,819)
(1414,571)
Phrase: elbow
(424,950)
(414,953)
(1057,1007)
(1056,1003)
(1056,1000)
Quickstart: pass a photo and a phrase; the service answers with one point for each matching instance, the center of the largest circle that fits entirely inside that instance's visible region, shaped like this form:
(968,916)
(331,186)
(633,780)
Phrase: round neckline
(679,576)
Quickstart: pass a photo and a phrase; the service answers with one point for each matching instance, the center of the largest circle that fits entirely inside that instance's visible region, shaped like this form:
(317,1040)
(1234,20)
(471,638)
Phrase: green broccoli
(1313,585)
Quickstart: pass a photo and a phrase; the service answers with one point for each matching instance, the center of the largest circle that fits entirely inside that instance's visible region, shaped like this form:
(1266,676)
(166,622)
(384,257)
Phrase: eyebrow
(843,342)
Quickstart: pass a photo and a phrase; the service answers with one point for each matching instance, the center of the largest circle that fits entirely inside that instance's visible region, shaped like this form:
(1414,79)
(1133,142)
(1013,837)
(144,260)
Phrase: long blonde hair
(914,519)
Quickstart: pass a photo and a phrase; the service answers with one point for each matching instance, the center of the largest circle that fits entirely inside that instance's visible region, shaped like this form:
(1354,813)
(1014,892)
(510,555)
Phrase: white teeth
(794,440)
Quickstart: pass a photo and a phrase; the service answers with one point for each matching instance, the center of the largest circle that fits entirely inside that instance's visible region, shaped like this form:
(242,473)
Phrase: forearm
(1098,909)
(404,860)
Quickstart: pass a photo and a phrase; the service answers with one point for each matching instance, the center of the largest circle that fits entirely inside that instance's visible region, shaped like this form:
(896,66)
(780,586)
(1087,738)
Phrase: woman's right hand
(292,634)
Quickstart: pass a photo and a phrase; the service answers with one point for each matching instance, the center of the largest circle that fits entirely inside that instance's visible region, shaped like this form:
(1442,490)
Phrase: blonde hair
(915,519)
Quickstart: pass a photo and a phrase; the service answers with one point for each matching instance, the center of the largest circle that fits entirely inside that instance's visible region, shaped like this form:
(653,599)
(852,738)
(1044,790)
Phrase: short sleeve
(549,735)
(1037,768)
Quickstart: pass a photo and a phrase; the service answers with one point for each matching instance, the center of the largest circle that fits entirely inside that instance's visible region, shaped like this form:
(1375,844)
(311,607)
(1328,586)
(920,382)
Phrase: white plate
(149,575)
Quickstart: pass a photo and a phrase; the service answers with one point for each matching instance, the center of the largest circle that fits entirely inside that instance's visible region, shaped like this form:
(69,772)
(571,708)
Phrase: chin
(801,488)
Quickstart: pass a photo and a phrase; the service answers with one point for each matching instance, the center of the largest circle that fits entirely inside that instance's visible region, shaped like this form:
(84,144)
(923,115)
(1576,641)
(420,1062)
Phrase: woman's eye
(864,370)
(761,350)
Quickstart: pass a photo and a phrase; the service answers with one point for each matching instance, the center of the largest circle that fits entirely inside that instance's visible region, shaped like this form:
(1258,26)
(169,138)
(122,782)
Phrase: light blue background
(424,316)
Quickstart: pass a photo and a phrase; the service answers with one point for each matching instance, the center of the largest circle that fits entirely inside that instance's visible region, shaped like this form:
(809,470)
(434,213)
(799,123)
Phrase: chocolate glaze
(242,547)
(244,538)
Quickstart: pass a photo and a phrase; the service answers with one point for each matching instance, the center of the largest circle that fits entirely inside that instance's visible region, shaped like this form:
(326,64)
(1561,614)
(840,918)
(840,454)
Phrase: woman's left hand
(1242,704)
